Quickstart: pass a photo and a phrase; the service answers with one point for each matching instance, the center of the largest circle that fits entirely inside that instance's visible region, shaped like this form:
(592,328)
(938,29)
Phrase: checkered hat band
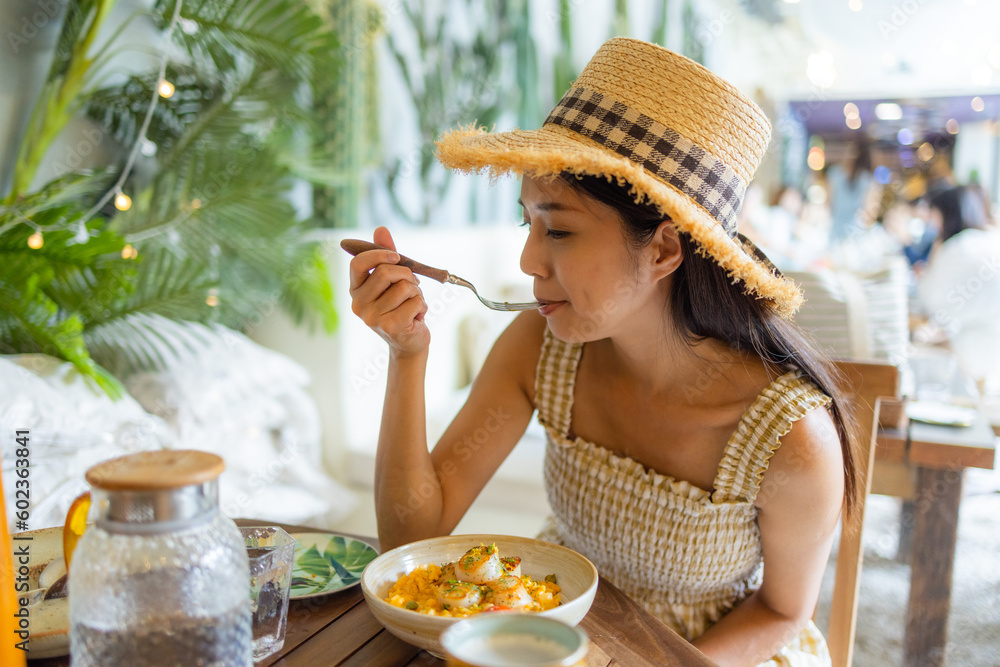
(657,148)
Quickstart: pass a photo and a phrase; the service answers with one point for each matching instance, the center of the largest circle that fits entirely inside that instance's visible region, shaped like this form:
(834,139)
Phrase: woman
(659,363)
(960,287)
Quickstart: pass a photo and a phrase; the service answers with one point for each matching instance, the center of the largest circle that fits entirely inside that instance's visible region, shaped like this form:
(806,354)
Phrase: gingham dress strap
(555,378)
(750,448)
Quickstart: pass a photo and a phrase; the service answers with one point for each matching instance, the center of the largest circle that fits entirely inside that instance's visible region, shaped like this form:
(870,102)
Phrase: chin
(574,330)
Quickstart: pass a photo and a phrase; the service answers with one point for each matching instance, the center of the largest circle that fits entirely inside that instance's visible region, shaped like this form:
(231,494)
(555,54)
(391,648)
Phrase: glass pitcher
(162,577)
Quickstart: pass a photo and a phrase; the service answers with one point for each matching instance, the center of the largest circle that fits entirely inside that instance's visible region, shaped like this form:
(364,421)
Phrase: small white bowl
(514,640)
(577,578)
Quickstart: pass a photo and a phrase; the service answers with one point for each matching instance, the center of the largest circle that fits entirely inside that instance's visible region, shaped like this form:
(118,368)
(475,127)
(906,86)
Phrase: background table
(924,465)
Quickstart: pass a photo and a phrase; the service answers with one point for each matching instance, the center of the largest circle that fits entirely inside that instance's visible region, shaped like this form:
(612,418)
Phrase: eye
(554,234)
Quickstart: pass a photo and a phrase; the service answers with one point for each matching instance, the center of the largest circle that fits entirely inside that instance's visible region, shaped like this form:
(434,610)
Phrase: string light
(888,111)
(133,154)
(951,126)
(129,251)
(978,104)
(82,234)
(166,90)
(123,202)
(35,241)
(213,297)
(820,69)
(854,122)
(816,158)
(195,203)
(851,110)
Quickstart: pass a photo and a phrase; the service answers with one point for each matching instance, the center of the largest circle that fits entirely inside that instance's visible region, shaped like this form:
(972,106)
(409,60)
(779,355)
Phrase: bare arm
(799,504)
(420,494)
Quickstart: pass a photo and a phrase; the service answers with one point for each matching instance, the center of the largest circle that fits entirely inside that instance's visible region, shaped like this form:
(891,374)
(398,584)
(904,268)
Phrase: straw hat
(686,141)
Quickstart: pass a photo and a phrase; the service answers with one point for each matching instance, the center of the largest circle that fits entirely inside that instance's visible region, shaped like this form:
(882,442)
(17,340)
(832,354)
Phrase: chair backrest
(864,383)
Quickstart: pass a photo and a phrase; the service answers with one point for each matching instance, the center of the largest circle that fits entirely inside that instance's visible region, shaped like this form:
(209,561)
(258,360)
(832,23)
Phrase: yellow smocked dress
(687,555)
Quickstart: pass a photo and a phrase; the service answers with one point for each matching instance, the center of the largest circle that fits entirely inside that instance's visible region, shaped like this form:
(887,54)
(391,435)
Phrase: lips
(545,307)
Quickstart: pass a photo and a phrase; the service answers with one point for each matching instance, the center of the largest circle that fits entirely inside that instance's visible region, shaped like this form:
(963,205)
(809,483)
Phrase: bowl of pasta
(420,589)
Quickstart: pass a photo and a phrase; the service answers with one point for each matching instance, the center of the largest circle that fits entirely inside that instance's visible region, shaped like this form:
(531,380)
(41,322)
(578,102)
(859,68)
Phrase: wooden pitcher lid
(156,470)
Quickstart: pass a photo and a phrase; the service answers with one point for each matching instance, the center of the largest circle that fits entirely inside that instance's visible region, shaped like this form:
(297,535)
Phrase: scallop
(511,565)
(509,591)
(479,565)
(459,594)
(447,572)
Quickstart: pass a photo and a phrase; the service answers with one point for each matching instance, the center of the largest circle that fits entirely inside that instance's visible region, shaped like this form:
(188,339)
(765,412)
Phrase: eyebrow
(549,206)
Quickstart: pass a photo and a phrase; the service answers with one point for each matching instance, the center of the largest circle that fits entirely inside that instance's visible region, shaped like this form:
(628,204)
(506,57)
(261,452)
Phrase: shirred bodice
(687,554)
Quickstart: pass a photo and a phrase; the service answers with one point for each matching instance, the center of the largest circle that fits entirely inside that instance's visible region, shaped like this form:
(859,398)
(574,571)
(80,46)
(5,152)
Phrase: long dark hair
(706,303)
(960,208)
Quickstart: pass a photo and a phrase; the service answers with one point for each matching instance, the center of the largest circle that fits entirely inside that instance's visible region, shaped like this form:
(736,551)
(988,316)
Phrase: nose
(533,257)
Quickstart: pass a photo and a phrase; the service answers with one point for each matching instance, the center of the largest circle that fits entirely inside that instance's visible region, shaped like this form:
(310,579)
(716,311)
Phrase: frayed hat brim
(553,150)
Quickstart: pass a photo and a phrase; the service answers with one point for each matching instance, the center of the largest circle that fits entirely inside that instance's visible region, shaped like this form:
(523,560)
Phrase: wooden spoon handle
(356,246)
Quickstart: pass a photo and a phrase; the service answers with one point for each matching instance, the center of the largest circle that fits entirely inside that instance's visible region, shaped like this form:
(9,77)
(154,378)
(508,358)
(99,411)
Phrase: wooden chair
(864,384)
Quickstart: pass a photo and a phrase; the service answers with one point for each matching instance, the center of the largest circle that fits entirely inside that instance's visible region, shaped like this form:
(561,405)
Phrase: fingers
(376,307)
(383,238)
(366,262)
(379,286)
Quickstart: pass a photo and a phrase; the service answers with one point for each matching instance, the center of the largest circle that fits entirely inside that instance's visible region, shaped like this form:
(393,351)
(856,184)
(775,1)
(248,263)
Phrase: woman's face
(589,285)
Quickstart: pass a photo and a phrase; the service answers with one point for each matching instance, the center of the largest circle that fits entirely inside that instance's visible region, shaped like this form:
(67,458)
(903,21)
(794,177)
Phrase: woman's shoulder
(809,454)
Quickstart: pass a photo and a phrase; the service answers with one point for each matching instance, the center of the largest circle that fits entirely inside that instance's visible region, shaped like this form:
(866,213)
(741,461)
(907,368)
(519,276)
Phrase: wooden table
(339,629)
(924,464)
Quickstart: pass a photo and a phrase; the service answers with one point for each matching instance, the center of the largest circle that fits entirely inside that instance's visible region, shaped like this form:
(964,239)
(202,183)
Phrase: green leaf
(314,563)
(352,556)
(147,342)
(283,34)
(26,307)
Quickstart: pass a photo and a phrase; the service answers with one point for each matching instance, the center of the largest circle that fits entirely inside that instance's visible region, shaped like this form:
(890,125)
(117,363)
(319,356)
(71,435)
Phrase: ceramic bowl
(577,577)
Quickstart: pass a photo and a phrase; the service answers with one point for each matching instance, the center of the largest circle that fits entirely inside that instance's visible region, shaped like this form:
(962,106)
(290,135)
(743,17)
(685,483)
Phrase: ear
(666,249)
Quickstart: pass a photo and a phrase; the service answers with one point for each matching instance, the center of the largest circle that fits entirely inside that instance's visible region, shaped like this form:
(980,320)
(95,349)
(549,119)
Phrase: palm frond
(33,323)
(121,109)
(60,247)
(163,285)
(147,342)
(217,236)
(79,17)
(284,34)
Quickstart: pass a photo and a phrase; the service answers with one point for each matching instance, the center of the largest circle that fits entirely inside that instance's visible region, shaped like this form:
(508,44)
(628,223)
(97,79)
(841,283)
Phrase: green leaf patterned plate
(326,563)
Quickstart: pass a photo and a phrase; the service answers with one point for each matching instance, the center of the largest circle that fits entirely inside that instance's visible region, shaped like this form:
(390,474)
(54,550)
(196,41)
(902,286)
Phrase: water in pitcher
(182,642)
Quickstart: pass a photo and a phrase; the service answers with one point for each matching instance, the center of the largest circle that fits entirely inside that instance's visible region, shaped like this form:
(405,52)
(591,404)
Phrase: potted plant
(192,220)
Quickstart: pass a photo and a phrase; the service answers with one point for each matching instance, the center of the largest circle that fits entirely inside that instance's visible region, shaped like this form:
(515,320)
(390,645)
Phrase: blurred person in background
(960,288)
(853,192)
(906,222)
